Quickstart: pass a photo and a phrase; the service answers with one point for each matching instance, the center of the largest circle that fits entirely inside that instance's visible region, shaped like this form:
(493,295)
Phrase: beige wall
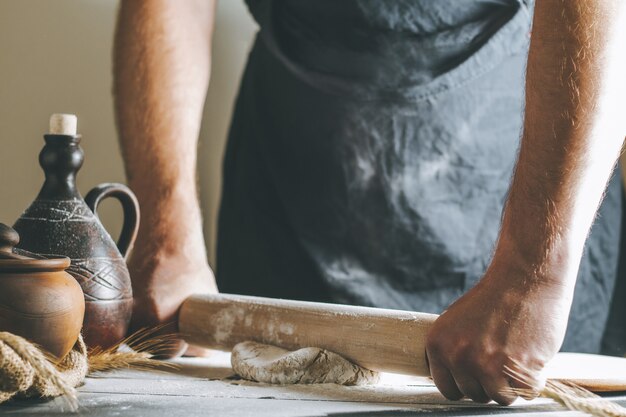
(55,56)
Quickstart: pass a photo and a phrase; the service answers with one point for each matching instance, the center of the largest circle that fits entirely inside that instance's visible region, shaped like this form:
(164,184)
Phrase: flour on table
(273,365)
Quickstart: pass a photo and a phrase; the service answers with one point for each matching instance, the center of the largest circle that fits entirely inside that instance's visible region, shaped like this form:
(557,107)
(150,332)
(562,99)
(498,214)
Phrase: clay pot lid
(17,260)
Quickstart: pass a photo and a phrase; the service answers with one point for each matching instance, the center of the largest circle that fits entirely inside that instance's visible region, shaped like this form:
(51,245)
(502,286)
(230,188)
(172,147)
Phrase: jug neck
(60,158)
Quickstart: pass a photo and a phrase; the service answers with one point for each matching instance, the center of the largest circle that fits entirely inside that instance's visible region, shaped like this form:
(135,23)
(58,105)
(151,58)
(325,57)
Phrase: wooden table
(207,387)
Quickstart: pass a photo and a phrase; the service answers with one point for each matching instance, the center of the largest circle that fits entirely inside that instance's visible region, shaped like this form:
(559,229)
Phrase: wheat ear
(569,395)
(145,344)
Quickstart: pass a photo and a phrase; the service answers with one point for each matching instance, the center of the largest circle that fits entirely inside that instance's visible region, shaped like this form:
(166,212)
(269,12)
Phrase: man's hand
(160,285)
(497,323)
(160,289)
(574,129)
(168,264)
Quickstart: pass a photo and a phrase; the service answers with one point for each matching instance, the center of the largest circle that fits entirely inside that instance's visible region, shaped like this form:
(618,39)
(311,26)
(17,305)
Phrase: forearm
(161,74)
(573,133)
(516,316)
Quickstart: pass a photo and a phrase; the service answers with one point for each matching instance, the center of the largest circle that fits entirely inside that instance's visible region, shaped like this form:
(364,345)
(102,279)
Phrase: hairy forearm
(161,74)
(573,133)
(516,316)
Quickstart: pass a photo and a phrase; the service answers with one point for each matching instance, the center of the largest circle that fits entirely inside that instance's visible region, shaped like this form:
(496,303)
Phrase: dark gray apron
(371,151)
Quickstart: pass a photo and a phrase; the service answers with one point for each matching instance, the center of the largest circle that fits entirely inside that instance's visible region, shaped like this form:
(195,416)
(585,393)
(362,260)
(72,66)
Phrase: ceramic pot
(38,299)
(59,222)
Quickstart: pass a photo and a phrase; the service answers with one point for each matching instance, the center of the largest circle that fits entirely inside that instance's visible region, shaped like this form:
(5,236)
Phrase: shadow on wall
(56,58)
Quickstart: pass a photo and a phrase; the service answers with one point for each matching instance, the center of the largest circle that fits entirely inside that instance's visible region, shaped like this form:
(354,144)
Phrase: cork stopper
(63,124)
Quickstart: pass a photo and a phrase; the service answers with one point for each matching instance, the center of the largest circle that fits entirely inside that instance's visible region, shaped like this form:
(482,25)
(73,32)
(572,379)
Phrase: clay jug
(60,222)
(38,299)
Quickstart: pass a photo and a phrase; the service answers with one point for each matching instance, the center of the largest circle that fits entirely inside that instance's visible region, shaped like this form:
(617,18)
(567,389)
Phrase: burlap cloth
(25,371)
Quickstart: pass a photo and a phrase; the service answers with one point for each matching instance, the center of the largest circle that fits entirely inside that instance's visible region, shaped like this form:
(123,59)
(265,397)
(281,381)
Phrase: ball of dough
(273,365)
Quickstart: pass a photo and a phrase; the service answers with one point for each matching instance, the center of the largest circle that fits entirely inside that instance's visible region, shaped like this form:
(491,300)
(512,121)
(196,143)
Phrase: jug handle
(130,206)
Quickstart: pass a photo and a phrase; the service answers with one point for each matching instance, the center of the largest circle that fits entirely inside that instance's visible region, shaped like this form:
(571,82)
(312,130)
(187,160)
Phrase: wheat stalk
(569,395)
(145,344)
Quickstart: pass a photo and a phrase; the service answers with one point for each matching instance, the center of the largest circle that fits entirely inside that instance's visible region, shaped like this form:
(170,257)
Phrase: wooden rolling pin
(378,339)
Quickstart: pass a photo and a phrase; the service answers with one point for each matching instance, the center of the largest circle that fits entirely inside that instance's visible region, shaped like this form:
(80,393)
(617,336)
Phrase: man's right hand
(169,262)
(160,285)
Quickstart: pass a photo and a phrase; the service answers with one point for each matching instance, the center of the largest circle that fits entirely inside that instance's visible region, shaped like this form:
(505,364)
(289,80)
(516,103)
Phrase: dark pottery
(60,222)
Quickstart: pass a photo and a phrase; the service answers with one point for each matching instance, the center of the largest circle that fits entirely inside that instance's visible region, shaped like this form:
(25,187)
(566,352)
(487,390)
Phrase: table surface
(207,386)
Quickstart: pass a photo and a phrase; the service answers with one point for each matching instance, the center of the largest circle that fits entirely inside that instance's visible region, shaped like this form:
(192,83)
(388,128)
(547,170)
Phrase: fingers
(443,380)
(499,389)
(479,377)
(483,385)
(470,387)
(455,385)
(526,381)
(453,381)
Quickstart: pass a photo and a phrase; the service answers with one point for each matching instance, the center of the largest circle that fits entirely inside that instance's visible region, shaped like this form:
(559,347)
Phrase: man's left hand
(507,319)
